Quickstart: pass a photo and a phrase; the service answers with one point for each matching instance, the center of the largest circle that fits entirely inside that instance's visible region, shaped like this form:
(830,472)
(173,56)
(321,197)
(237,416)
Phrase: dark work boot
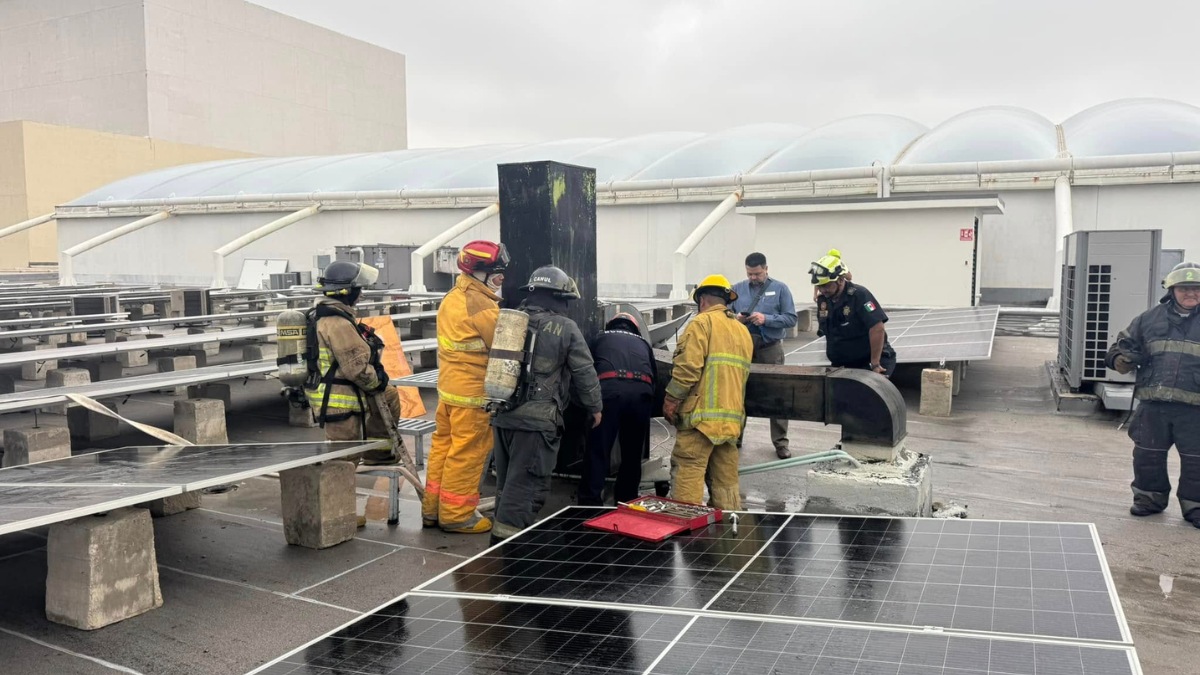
(1141,510)
(1193,517)
(783,452)
(1148,503)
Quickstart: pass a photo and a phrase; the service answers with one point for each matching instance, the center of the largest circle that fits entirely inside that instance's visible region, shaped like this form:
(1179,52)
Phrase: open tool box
(654,518)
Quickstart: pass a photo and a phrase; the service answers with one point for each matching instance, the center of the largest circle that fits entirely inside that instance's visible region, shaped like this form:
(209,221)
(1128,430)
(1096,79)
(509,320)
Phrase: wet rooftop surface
(236,596)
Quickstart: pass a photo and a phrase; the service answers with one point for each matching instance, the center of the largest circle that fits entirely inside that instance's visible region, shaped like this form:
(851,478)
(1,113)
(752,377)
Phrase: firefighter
(466,321)
(350,365)
(706,398)
(1163,345)
(850,320)
(627,372)
(528,433)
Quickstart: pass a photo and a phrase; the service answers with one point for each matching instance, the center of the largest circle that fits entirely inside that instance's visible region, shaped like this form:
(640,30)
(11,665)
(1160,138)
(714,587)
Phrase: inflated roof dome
(994,133)
(1133,126)
(847,143)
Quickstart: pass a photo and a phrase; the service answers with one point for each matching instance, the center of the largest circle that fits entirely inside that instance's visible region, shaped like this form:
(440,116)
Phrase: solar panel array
(33,495)
(925,336)
(778,593)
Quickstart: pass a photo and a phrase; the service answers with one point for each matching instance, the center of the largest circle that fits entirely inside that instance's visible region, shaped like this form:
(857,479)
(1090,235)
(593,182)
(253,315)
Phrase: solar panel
(32,495)
(423,634)
(780,593)
(926,336)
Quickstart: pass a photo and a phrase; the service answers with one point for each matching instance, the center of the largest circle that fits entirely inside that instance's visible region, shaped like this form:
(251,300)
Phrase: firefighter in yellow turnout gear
(466,322)
(350,369)
(706,398)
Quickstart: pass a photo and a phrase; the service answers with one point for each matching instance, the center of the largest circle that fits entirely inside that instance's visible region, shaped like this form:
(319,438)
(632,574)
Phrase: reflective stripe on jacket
(338,340)
(466,321)
(711,365)
(1170,344)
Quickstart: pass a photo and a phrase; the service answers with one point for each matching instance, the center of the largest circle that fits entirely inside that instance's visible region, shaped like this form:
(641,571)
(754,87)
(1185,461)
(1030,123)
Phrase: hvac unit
(1108,278)
(281,281)
(196,302)
(394,263)
(95,304)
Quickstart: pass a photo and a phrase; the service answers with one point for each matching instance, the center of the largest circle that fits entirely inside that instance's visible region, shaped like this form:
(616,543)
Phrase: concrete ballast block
(169,506)
(36,444)
(35,371)
(134,358)
(65,377)
(171,364)
(101,570)
(318,504)
(300,417)
(54,339)
(937,390)
(89,426)
(102,371)
(900,488)
(201,421)
(218,390)
(200,355)
(7,384)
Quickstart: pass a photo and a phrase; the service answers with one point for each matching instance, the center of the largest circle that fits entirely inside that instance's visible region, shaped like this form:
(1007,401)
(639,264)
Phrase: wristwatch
(873,366)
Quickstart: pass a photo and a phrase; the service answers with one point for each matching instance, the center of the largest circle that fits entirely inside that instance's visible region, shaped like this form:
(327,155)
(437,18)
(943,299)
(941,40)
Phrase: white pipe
(245,240)
(419,255)
(1064,224)
(66,259)
(25,225)
(679,270)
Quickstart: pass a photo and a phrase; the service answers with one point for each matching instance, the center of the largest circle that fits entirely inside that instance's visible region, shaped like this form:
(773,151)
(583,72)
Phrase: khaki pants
(693,455)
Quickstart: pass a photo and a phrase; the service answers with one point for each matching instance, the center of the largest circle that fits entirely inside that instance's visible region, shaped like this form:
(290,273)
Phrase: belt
(626,375)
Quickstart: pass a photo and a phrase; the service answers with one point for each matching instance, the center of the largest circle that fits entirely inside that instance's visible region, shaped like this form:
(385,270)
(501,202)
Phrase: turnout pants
(1157,425)
(351,429)
(692,456)
(626,418)
(524,461)
(459,448)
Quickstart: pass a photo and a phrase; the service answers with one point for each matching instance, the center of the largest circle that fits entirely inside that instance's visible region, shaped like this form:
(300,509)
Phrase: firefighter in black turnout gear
(348,372)
(528,433)
(1163,344)
(626,369)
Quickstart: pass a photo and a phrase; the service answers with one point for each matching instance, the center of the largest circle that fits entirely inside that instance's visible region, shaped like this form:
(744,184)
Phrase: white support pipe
(66,259)
(25,225)
(1064,224)
(245,240)
(679,270)
(419,255)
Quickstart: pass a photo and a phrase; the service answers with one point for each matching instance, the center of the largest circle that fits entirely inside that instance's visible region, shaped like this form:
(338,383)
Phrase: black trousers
(626,417)
(1157,425)
(524,462)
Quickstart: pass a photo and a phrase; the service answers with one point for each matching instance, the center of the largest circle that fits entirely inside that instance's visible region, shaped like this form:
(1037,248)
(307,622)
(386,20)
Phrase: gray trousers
(524,462)
(772,355)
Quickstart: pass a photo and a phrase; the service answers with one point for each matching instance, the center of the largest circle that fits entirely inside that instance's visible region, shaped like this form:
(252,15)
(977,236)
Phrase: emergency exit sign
(966,234)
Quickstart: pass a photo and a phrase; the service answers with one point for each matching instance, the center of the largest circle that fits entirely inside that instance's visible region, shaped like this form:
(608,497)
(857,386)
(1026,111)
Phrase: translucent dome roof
(736,150)
(1133,126)
(989,134)
(851,142)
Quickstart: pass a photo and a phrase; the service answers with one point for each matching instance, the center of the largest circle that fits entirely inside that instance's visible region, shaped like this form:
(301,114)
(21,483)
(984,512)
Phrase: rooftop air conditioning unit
(1108,278)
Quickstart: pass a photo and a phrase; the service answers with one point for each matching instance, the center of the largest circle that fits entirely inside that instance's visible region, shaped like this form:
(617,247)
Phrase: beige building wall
(215,73)
(42,166)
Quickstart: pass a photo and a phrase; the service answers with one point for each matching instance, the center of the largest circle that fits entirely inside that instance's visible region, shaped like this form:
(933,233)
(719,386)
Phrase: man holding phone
(766,308)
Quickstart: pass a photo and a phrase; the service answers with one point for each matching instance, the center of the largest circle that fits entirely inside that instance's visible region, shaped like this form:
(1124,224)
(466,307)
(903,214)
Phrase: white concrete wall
(904,257)
(216,73)
(78,64)
(229,74)
(1174,209)
(1018,247)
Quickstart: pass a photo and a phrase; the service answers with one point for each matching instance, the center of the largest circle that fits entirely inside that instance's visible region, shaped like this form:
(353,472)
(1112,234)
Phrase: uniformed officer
(626,369)
(528,434)
(706,398)
(351,370)
(1163,344)
(851,320)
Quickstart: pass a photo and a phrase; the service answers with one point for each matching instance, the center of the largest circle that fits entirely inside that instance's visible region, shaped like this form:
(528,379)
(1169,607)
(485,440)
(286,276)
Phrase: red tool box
(654,518)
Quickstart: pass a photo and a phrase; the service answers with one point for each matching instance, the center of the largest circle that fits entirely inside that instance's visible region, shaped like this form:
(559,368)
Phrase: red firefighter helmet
(483,256)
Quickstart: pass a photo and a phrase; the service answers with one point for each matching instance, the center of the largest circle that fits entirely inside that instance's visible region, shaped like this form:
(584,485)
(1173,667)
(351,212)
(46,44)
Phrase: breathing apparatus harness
(315,379)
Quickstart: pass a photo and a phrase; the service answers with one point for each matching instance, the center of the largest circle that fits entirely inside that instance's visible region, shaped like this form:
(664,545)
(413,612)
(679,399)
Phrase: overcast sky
(498,71)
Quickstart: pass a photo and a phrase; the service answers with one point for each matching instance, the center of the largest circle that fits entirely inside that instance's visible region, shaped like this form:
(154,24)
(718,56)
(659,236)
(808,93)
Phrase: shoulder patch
(870,305)
(851,290)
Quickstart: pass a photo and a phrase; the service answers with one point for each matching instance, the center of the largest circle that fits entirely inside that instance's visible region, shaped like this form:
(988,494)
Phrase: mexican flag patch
(870,306)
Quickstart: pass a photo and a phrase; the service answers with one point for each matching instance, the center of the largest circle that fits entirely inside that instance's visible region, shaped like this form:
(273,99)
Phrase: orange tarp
(396,364)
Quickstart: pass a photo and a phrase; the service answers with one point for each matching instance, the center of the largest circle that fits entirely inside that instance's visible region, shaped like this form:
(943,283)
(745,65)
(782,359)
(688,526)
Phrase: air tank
(506,358)
(291,332)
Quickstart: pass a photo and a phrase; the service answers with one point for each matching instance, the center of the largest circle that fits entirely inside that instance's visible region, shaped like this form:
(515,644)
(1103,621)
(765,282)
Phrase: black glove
(382,376)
